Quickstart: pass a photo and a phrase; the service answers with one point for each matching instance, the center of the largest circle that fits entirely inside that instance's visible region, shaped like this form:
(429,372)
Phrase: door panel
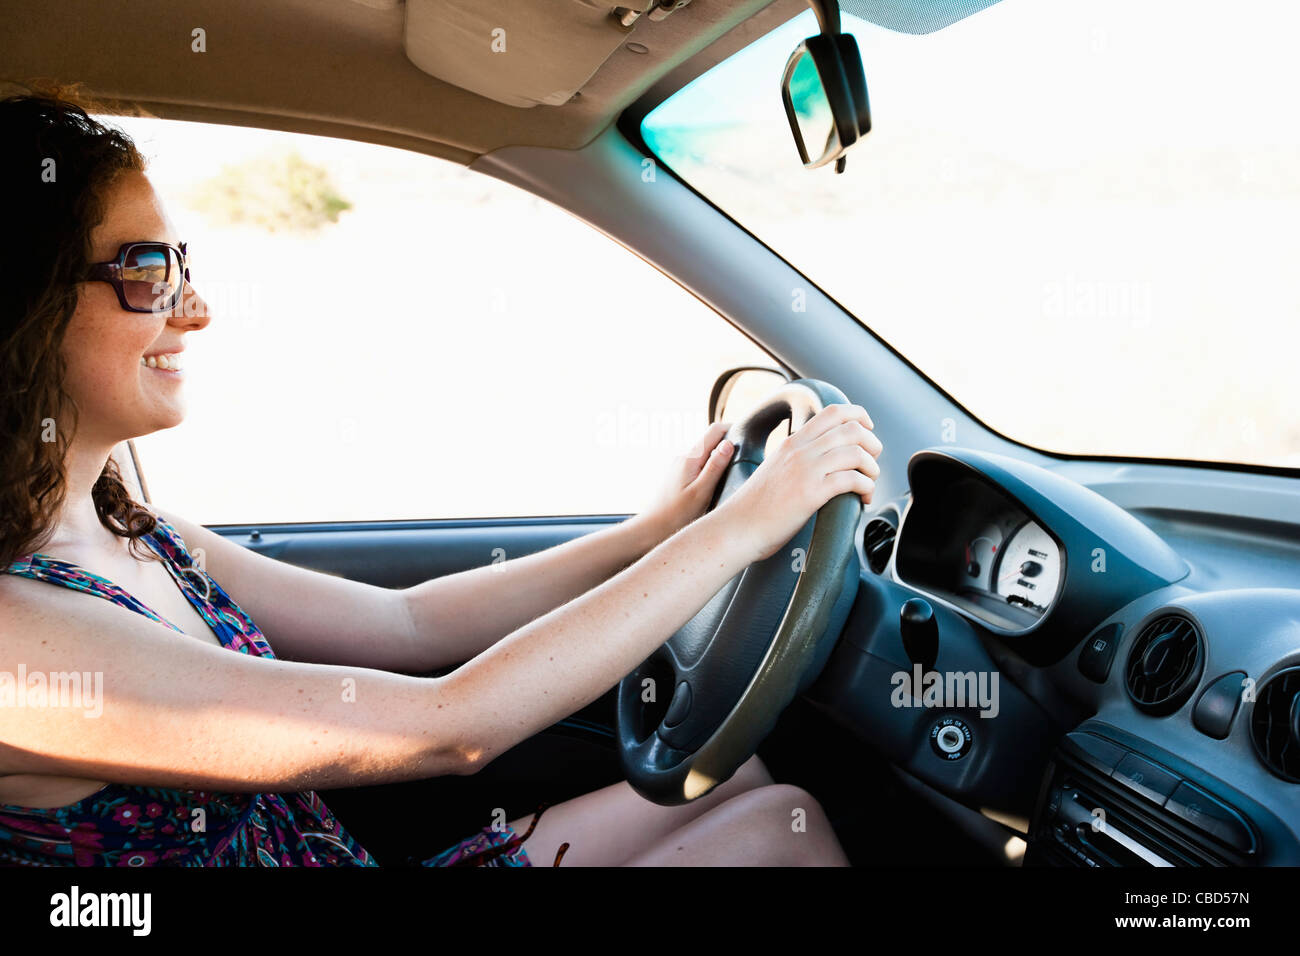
(398,554)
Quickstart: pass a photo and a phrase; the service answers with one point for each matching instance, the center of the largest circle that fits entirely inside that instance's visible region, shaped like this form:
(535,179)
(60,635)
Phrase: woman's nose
(192,311)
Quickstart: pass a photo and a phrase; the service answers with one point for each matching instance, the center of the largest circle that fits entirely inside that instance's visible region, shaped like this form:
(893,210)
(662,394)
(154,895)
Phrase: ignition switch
(950,738)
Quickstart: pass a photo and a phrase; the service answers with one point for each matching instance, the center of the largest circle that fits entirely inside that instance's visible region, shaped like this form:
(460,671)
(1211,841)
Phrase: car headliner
(338,68)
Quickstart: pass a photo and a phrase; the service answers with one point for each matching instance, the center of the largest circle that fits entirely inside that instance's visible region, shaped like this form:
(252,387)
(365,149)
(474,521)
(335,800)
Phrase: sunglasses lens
(152,278)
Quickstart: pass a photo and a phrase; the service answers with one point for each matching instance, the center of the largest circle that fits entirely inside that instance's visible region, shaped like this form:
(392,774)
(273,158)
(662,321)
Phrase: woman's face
(119,396)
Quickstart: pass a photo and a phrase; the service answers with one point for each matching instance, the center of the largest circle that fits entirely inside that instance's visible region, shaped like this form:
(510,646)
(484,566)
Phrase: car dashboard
(1125,702)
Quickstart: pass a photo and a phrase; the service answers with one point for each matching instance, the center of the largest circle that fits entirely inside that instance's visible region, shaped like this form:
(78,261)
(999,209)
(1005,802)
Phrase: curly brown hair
(55,169)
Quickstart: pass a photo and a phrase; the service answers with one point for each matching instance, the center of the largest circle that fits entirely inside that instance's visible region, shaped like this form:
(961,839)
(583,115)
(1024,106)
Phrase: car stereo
(1103,804)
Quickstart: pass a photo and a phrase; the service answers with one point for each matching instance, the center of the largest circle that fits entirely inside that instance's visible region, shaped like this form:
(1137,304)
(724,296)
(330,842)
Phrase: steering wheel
(700,705)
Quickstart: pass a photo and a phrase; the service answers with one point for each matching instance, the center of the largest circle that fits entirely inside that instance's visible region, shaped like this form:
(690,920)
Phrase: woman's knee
(793,824)
(785,800)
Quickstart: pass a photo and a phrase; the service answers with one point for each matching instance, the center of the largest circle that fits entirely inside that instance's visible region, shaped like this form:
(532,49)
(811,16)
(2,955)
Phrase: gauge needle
(1014,573)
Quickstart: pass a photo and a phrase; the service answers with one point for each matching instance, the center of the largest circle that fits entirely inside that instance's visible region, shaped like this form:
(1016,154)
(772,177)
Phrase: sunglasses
(147,276)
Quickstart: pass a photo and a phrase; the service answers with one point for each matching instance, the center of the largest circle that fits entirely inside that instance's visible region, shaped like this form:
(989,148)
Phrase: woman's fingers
(716,462)
(832,453)
(827,419)
(712,435)
(850,468)
(845,457)
(701,456)
(839,482)
(851,433)
(845,454)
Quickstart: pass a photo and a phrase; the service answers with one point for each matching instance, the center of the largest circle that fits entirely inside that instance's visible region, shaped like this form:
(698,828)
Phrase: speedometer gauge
(1029,570)
(980,557)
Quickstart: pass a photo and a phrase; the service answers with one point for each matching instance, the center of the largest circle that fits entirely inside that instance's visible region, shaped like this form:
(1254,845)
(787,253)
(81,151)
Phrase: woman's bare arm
(177,711)
(457,616)
(319,618)
(314,617)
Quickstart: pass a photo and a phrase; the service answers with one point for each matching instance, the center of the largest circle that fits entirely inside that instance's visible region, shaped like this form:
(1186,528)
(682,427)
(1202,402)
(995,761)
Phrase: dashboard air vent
(878,543)
(1275,724)
(1165,664)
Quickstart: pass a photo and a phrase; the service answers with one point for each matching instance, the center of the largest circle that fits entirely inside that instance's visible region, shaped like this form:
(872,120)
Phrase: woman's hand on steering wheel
(732,668)
(833,453)
(691,484)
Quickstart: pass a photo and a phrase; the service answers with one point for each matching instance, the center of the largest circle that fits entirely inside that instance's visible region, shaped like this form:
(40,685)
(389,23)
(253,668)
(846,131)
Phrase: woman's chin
(161,420)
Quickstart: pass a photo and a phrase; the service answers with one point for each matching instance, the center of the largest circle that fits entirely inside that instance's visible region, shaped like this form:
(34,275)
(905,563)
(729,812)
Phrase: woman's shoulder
(202,556)
(38,617)
(189,544)
(181,539)
(165,520)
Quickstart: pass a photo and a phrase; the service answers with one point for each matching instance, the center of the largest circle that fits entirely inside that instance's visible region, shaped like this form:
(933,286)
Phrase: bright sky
(1028,74)
(1077,217)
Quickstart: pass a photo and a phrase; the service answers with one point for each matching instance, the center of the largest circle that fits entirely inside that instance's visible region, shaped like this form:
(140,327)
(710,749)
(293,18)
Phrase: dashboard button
(1209,815)
(1218,705)
(1151,780)
(1098,652)
(1099,752)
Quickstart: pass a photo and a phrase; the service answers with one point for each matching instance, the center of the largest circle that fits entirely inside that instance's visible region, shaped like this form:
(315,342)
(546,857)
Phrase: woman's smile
(169,362)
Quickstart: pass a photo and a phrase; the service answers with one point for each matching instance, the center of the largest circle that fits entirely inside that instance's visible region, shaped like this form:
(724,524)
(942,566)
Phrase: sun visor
(517,52)
(913,16)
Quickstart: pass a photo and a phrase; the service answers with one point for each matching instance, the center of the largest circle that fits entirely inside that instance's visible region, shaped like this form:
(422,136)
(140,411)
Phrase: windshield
(1077,218)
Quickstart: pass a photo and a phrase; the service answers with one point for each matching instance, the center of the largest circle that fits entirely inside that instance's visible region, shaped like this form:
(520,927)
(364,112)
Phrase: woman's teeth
(170,363)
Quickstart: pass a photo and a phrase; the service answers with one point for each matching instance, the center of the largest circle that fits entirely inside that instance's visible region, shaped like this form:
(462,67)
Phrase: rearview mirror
(825,92)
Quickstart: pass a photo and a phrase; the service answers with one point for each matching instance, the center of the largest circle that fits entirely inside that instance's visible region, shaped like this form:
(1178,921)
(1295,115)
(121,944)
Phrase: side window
(394,336)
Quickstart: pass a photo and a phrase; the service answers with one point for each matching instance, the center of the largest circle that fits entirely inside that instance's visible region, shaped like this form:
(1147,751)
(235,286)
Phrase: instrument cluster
(971,545)
(1014,560)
